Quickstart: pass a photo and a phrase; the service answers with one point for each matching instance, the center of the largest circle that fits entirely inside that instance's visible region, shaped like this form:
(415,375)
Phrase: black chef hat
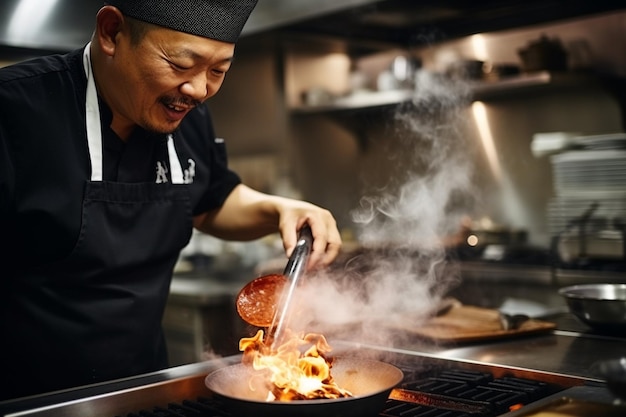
(222,20)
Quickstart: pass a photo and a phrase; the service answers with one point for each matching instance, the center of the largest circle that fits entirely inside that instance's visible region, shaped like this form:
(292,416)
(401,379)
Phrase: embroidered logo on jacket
(190,172)
(161,173)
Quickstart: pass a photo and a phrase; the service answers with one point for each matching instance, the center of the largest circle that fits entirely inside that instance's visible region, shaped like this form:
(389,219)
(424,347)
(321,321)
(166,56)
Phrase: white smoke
(399,276)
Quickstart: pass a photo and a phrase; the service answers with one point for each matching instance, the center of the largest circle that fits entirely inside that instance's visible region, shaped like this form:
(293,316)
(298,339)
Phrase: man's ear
(109,22)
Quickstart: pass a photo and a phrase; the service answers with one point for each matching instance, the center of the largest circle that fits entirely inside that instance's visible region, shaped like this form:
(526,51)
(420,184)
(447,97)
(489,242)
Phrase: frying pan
(368,380)
(600,306)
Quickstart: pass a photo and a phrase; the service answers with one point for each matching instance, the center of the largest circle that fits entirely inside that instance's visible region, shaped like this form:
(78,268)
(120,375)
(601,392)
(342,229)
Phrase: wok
(600,306)
(369,381)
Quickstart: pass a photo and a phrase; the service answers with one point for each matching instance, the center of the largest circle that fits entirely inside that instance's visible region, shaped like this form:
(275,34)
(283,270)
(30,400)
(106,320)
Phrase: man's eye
(178,66)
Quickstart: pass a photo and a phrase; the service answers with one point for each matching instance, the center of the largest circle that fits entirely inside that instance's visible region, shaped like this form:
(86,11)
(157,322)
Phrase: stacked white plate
(592,173)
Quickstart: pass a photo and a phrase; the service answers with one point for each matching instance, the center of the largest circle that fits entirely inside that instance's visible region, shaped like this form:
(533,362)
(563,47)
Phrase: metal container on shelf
(544,54)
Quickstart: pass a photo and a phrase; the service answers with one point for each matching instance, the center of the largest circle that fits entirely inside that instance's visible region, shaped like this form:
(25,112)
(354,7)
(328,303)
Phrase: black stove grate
(202,407)
(444,393)
(494,396)
(399,408)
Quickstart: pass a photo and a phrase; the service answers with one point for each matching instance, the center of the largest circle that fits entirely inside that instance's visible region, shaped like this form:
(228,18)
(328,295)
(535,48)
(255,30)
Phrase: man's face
(161,78)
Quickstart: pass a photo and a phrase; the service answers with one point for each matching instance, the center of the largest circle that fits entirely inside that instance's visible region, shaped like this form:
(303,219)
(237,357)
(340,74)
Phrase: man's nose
(196,87)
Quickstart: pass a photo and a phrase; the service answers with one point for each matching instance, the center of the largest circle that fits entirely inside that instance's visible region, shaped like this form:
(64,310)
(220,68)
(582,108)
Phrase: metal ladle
(265,301)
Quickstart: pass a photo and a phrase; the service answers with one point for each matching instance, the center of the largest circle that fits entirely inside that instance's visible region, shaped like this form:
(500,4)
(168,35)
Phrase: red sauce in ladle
(258,300)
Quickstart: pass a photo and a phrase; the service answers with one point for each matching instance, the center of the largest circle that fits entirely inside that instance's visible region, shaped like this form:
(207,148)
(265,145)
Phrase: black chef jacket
(44,165)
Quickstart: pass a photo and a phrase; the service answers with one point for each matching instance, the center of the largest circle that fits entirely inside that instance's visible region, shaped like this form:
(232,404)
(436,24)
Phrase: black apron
(96,315)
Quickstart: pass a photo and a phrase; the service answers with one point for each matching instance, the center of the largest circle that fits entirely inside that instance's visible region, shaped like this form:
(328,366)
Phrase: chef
(108,159)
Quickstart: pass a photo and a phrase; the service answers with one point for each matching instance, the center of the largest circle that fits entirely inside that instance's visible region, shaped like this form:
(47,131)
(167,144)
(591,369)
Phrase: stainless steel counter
(202,290)
(200,320)
(572,349)
(561,352)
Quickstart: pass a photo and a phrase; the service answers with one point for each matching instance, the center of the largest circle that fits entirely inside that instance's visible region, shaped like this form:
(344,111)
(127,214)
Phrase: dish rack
(587,215)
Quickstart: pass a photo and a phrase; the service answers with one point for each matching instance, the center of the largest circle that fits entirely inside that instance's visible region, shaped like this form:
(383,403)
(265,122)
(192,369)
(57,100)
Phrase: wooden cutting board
(463,323)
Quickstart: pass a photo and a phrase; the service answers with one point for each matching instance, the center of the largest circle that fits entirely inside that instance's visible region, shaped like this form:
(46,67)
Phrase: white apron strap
(92,119)
(175,168)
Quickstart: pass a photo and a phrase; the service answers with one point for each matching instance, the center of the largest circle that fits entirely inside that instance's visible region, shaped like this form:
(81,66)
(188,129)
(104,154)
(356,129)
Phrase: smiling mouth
(179,109)
(180,104)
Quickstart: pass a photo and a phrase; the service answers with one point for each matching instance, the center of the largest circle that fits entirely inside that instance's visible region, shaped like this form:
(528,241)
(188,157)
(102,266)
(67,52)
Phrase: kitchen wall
(334,158)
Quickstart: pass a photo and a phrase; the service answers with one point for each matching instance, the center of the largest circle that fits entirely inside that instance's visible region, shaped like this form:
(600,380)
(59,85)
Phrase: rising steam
(404,223)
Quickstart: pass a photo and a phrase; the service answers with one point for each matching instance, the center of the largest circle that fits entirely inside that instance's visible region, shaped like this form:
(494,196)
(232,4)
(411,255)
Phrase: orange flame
(294,374)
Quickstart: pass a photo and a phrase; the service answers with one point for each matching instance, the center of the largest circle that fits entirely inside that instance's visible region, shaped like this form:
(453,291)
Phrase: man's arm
(248,214)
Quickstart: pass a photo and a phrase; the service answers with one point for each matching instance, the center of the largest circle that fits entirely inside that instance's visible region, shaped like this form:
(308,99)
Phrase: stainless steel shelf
(363,100)
(480,90)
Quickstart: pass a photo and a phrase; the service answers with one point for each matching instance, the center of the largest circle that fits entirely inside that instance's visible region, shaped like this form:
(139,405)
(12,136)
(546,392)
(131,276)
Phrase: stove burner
(429,393)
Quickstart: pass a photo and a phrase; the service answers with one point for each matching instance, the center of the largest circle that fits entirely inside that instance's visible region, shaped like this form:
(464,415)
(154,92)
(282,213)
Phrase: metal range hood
(55,25)
(60,25)
(274,14)
(66,24)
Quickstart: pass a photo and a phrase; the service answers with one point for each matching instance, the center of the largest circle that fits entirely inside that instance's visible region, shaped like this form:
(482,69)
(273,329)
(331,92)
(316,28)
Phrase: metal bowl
(600,306)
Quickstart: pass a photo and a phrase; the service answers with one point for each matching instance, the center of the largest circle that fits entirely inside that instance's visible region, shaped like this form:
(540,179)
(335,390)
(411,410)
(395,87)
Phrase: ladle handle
(300,255)
(293,270)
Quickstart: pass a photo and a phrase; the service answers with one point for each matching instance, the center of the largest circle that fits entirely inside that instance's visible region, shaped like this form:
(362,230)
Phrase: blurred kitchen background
(309,110)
